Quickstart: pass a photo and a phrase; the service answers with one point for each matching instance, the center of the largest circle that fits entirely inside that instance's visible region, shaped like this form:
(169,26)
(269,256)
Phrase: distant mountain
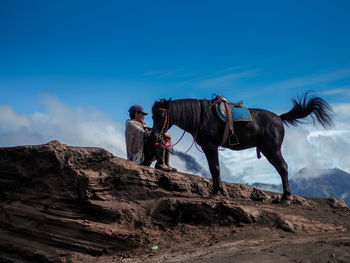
(316,183)
(192,165)
(322,183)
(268,187)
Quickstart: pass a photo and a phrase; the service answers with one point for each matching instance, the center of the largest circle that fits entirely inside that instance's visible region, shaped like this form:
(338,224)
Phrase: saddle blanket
(238,114)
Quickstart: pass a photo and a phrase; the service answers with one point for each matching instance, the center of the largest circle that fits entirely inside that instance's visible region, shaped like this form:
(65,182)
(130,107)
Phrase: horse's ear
(166,102)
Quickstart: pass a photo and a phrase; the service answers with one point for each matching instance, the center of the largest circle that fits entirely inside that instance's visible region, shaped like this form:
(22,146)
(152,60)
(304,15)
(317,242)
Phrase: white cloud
(326,133)
(226,80)
(245,166)
(305,82)
(185,145)
(164,74)
(304,146)
(152,73)
(343,90)
(345,195)
(311,80)
(73,126)
(10,120)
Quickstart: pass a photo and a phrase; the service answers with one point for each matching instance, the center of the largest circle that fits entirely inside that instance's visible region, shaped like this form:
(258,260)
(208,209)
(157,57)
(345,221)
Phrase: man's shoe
(163,167)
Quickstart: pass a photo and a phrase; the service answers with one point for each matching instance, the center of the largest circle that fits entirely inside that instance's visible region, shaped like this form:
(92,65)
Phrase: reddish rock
(61,203)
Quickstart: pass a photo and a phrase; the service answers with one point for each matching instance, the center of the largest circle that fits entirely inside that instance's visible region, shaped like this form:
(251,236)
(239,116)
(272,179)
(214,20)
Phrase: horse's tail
(307,105)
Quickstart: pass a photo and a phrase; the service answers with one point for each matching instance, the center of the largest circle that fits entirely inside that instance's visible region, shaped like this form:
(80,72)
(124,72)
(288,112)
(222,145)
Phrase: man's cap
(137,108)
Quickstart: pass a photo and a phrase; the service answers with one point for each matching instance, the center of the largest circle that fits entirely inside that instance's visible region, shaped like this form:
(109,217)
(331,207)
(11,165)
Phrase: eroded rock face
(61,203)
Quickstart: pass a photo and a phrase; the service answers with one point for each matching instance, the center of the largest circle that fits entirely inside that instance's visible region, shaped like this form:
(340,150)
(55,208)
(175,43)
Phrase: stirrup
(233,142)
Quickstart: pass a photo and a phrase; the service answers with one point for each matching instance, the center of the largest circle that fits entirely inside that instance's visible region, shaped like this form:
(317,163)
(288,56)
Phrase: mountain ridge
(322,183)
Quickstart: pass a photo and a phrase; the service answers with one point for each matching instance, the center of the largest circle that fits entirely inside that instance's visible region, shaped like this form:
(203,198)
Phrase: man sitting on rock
(141,146)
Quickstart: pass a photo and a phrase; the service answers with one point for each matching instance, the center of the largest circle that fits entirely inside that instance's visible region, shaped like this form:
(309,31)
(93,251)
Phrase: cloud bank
(73,126)
(304,146)
(77,126)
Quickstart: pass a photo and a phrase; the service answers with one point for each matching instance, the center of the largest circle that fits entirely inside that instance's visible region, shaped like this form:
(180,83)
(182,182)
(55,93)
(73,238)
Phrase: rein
(194,140)
(164,129)
(165,121)
(180,138)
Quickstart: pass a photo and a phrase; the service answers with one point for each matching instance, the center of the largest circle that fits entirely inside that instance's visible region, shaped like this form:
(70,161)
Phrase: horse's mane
(189,114)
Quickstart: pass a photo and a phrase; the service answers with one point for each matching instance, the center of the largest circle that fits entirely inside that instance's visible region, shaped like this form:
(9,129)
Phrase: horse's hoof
(286,199)
(173,169)
(163,167)
(218,192)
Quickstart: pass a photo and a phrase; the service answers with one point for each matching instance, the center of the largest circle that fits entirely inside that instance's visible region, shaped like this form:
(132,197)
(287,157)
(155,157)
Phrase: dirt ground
(266,246)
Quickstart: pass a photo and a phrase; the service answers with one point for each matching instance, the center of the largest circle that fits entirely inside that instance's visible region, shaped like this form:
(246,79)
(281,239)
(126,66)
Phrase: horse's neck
(183,127)
(183,120)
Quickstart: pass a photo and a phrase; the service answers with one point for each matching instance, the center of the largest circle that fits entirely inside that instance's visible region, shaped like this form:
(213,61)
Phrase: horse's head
(160,116)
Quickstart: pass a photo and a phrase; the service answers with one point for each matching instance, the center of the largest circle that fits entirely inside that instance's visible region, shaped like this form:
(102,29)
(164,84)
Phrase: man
(141,146)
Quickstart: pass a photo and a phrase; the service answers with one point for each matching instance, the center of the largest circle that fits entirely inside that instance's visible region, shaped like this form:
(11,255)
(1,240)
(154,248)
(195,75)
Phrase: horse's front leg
(211,152)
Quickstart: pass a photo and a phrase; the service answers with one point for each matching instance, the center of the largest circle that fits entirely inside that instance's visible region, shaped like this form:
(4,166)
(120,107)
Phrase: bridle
(161,141)
(166,124)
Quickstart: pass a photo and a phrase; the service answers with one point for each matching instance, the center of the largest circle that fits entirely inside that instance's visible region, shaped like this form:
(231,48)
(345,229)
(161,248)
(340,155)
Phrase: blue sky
(103,56)
(110,54)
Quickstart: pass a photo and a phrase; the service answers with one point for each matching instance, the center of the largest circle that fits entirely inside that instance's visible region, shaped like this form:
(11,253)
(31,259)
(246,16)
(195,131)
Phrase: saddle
(237,113)
(230,112)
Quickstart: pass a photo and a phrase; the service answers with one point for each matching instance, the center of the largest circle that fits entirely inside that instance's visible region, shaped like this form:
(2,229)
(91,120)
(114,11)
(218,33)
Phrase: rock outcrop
(60,203)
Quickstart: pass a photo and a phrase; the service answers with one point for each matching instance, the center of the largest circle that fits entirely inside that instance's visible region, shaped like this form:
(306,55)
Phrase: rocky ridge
(61,203)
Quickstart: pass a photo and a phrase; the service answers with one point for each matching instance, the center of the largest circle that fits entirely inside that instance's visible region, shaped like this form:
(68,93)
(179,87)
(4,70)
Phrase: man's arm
(147,130)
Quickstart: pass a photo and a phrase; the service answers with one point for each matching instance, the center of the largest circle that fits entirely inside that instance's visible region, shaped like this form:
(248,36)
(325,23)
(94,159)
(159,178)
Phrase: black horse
(265,131)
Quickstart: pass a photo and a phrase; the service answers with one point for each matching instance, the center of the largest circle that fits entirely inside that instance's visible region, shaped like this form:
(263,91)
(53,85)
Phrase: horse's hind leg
(276,159)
